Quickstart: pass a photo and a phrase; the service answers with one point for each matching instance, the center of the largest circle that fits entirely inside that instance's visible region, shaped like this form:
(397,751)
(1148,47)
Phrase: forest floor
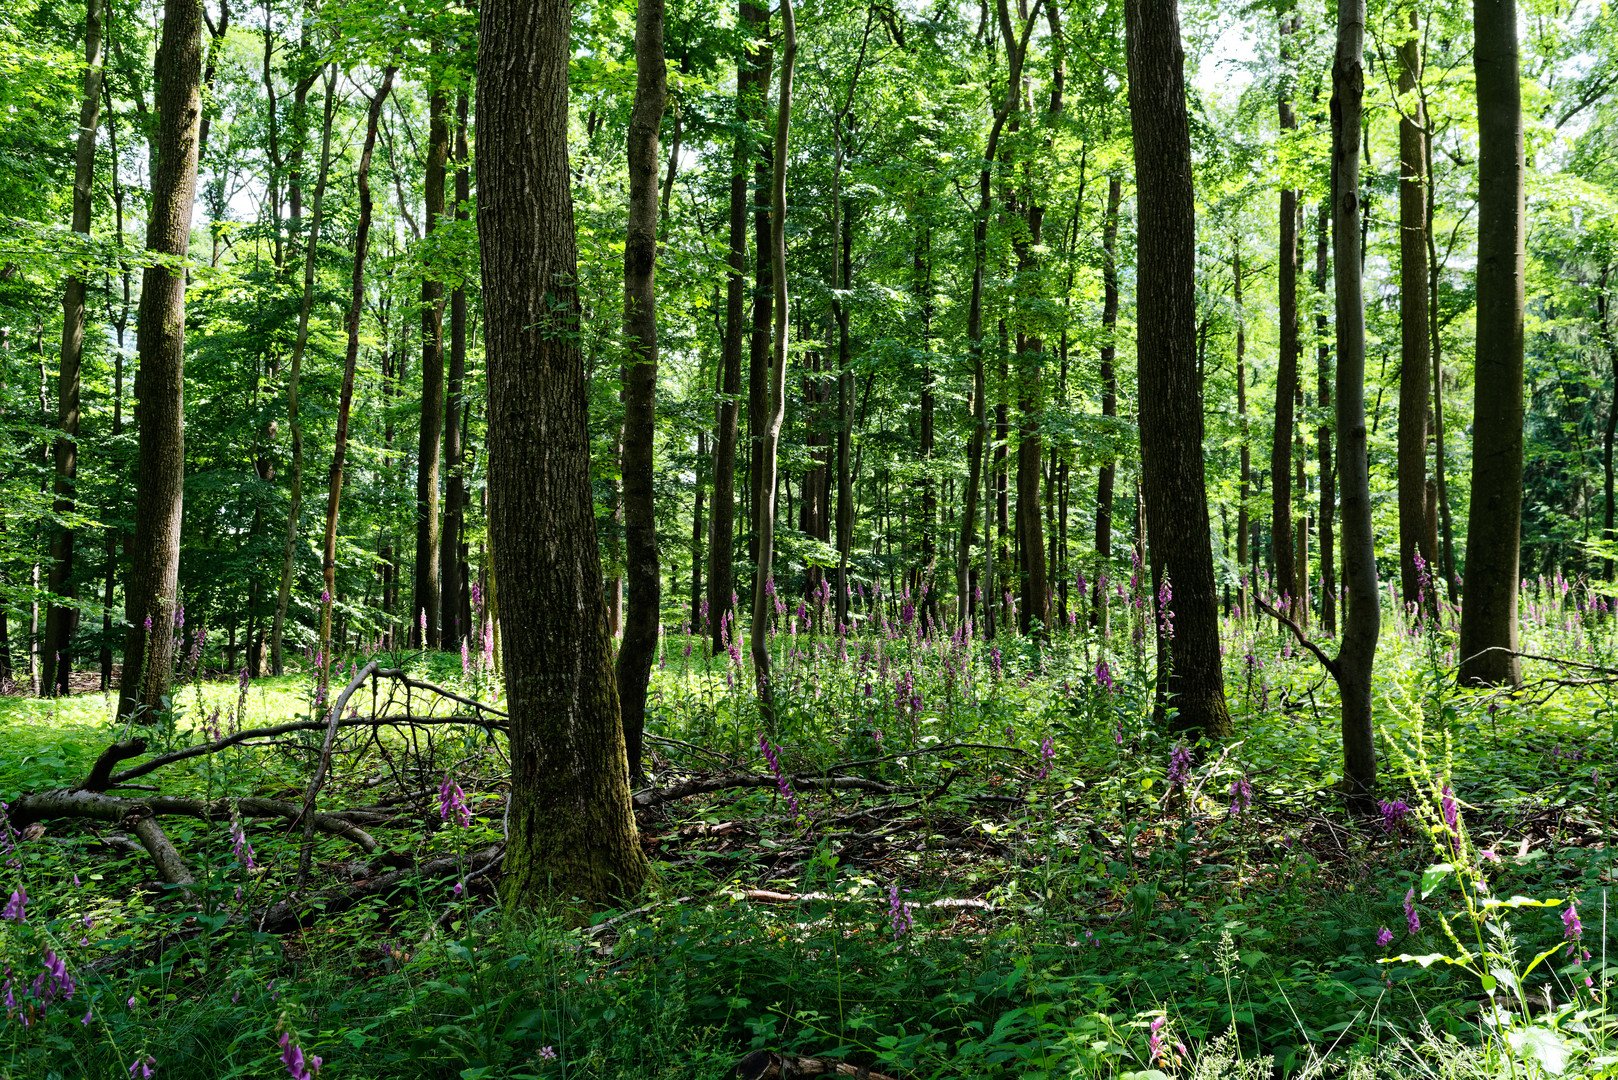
(975,861)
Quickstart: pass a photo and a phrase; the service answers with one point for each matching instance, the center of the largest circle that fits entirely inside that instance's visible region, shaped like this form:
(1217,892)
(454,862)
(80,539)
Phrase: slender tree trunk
(60,618)
(1494,526)
(845,428)
(1173,488)
(1107,478)
(634,664)
(1436,341)
(356,310)
(1362,615)
(1604,331)
(120,325)
(160,385)
(1243,523)
(1286,375)
(431,436)
(452,584)
(300,345)
(751,77)
(1323,438)
(1415,353)
(758,359)
(759,630)
(571,829)
(698,532)
(978,442)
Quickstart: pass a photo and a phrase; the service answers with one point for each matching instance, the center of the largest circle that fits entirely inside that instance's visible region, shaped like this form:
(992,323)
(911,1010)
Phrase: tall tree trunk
(571,828)
(1286,374)
(698,533)
(1173,490)
(1107,478)
(120,324)
(771,434)
(430,440)
(635,655)
(845,423)
(1415,354)
(1494,526)
(1604,331)
(60,618)
(758,356)
(452,585)
(160,385)
(1362,617)
(929,490)
(751,76)
(1436,341)
(294,421)
(1243,523)
(1323,437)
(1016,46)
(356,310)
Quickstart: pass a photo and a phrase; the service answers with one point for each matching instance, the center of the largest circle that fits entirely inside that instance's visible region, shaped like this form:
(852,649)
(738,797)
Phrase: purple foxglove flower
(1384,938)
(899,912)
(1411,918)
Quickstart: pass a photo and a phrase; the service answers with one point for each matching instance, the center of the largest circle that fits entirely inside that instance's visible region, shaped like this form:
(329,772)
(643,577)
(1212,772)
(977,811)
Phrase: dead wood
(98,806)
(767,1065)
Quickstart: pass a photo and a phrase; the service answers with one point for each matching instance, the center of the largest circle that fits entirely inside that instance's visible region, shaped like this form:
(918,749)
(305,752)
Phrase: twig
(306,849)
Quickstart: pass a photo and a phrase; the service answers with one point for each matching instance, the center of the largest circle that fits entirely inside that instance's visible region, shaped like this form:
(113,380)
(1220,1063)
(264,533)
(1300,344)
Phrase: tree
(635,655)
(151,595)
(751,77)
(1362,617)
(1173,488)
(1494,527)
(426,629)
(770,436)
(1287,578)
(59,620)
(1415,351)
(571,829)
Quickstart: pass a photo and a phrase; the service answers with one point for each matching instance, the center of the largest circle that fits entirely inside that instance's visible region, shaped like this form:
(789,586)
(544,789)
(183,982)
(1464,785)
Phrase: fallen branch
(98,806)
(101,772)
(767,1065)
(650,797)
(293,912)
(1303,639)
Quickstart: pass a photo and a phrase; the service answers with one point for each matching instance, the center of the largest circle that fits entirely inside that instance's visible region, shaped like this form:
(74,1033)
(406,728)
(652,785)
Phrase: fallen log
(98,806)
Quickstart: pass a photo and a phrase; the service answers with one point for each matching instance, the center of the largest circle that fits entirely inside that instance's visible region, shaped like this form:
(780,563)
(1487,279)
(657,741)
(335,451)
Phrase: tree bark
(160,386)
(1415,351)
(1286,374)
(453,586)
(1362,616)
(1173,487)
(635,655)
(430,439)
(758,632)
(1107,478)
(61,618)
(750,80)
(571,830)
(1494,526)
(1323,437)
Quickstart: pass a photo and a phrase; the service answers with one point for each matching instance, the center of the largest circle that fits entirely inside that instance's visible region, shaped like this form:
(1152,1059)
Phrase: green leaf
(1434,876)
(1542,1044)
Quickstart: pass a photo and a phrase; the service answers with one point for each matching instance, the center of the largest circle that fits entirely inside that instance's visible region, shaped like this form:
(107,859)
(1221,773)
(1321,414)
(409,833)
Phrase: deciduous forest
(679,538)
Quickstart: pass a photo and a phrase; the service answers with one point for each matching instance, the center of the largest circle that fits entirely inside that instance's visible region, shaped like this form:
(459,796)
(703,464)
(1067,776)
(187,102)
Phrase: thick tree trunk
(1173,490)
(1286,374)
(1107,479)
(452,585)
(160,386)
(1362,617)
(430,440)
(60,618)
(750,86)
(356,310)
(1323,437)
(571,830)
(635,655)
(758,632)
(1494,526)
(1415,354)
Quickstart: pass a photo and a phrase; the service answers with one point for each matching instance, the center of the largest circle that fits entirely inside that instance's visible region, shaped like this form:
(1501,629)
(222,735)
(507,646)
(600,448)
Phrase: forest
(870,538)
